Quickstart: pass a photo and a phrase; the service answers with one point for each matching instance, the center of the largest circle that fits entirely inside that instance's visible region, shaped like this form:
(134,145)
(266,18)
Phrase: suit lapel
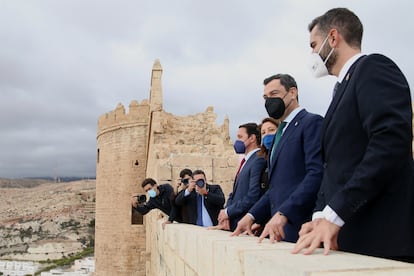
(285,137)
(245,167)
(337,98)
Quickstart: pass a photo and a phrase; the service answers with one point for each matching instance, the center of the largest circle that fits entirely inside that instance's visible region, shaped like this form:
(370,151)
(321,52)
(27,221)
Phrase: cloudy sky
(64,63)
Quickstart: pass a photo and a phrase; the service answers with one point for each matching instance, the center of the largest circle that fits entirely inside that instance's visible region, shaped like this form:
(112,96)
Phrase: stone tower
(149,142)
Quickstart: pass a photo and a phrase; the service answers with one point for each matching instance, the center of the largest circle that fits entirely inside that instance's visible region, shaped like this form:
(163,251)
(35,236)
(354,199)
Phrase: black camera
(200,183)
(141,199)
(184,181)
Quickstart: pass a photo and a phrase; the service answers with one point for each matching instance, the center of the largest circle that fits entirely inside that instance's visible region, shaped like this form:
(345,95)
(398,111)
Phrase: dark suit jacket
(246,189)
(367,152)
(164,201)
(213,202)
(295,175)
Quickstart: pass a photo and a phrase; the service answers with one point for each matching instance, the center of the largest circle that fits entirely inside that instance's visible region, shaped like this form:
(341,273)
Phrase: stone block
(189,237)
(188,271)
(169,258)
(179,266)
(282,262)
(165,174)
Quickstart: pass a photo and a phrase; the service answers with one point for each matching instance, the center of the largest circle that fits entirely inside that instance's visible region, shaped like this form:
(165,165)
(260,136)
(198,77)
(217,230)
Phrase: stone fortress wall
(145,142)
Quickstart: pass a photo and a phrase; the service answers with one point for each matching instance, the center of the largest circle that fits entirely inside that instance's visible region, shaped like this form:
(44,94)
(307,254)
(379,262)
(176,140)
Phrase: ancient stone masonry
(145,142)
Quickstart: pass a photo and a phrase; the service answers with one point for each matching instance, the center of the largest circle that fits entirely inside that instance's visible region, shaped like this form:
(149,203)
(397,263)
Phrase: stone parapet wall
(182,249)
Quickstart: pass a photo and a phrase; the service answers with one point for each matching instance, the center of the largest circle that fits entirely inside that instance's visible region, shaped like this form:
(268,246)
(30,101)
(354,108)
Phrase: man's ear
(294,92)
(334,38)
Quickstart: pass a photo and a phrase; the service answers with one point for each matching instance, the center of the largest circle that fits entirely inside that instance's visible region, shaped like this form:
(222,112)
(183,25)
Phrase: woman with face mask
(268,130)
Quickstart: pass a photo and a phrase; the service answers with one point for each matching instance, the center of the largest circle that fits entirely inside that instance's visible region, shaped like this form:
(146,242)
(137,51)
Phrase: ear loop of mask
(330,53)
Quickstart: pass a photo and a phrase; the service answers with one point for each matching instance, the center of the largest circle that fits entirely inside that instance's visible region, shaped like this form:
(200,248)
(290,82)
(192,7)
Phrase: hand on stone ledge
(164,223)
(223,225)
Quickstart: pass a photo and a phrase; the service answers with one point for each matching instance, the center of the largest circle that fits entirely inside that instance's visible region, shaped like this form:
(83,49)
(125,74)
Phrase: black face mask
(275,107)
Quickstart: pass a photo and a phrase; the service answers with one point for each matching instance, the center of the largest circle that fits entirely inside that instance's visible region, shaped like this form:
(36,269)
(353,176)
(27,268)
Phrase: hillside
(22,182)
(46,221)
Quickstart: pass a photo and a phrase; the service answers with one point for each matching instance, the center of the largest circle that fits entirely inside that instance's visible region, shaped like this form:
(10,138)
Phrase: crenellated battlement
(139,113)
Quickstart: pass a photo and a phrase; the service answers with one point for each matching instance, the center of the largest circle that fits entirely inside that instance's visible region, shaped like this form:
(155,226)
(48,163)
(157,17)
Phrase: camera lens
(142,199)
(184,181)
(200,183)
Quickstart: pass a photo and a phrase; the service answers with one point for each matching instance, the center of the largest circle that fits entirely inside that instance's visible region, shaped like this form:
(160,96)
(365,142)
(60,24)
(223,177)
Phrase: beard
(332,59)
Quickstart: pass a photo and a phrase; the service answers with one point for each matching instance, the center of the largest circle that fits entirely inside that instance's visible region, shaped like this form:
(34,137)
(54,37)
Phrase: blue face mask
(239,147)
(268,140)
(152,193)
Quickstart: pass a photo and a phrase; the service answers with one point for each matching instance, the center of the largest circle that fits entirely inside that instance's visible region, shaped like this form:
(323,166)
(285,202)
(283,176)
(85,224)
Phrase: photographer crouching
(160,197)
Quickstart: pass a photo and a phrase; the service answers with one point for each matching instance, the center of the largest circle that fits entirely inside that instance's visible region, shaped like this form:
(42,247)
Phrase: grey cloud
(65,63)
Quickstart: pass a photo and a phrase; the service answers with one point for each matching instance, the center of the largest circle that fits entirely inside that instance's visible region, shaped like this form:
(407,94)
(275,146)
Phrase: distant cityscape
(82,267)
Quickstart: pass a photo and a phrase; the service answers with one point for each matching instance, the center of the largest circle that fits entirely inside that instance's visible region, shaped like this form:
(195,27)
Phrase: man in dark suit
(247,183)
(366,201)
(295,165)
(202,201)
(160,197)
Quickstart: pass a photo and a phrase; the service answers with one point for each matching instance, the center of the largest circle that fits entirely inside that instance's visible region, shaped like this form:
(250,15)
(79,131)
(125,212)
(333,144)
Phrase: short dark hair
(271,120)
(148,181)
(185,172)
(286,80)
(252,129)
(344,21)
(199,172)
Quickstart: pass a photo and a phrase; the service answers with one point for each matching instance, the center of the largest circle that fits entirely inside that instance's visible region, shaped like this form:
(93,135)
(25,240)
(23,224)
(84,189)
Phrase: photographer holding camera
(160,197)
(183,180)
(182,184)
(202,201)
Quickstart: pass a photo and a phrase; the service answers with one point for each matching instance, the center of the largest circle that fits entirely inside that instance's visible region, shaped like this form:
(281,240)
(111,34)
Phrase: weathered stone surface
(145,142)
(213,252)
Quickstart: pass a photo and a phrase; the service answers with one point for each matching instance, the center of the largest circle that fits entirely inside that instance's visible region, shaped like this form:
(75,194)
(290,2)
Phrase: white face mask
(317,65)
(152,193)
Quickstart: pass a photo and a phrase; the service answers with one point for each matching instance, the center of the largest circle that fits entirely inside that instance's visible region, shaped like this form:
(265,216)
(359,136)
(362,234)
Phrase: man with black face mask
(295,165)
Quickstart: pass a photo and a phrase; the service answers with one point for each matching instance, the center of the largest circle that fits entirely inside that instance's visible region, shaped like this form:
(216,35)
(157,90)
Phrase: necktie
(199,210)
(241,165)
(335,89)
(277,138)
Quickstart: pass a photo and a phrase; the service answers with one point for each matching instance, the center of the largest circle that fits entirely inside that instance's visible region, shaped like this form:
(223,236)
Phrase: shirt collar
(250,153)
(292,115)
(348,65)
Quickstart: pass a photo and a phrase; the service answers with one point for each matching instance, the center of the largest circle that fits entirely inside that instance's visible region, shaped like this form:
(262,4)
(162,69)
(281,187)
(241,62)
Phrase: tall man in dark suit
(247,183)
(202,201)
(295,165)
(366,201)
